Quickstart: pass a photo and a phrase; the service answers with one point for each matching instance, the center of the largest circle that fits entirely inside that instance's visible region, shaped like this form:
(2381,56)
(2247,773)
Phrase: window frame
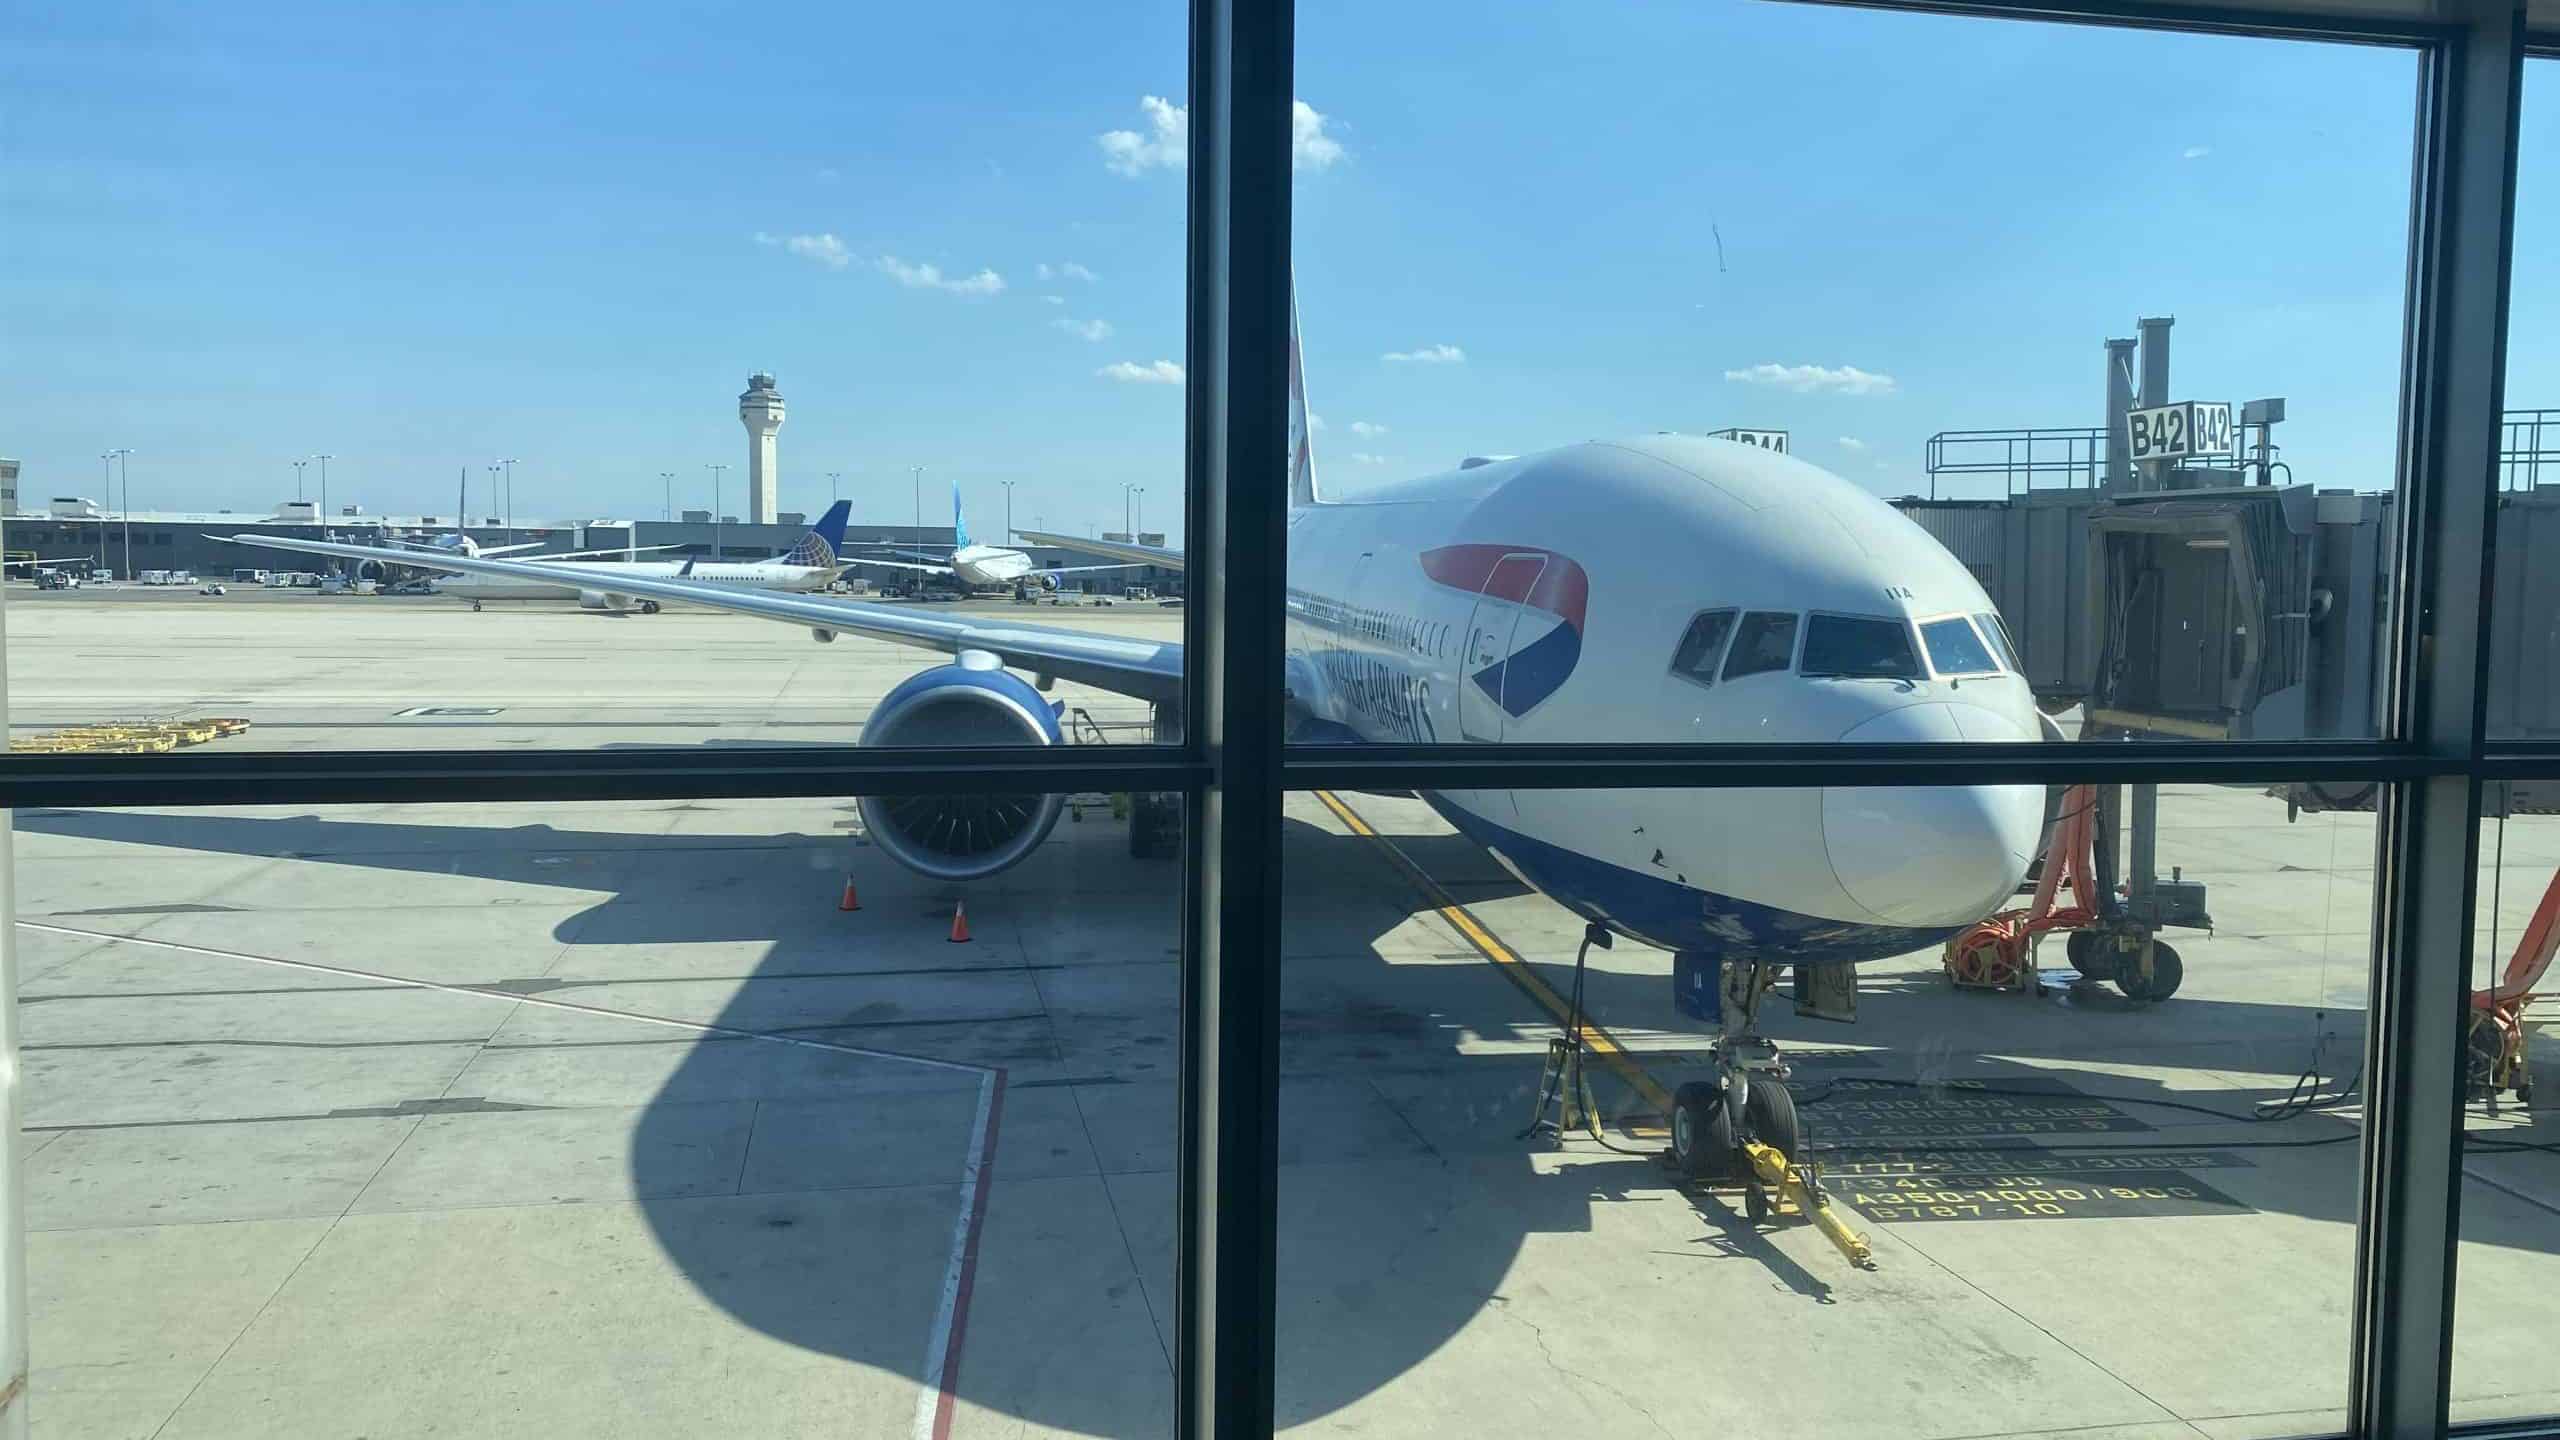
(1232,769)
(1724,646)
(1929,657)
(1795,645)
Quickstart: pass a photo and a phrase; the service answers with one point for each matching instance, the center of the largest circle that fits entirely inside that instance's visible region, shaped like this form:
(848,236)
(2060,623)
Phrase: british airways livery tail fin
(1302,454)
(959,524)
(825,540)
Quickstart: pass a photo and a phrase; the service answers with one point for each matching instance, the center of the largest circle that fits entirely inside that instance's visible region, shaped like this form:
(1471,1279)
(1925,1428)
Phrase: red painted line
(982,1167)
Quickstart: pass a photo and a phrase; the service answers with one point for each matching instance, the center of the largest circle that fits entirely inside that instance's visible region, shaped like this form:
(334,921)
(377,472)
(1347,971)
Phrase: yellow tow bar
(1771,1167)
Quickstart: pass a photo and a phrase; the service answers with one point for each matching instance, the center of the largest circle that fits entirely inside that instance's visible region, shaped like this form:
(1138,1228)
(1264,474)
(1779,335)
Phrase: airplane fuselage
(1553,599)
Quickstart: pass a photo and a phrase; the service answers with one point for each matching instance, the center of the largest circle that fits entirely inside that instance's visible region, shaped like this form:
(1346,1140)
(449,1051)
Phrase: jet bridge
(2166,575)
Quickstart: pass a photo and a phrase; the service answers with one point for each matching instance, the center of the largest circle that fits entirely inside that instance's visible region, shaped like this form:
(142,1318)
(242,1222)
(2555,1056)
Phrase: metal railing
(2026,459)
(2528,449)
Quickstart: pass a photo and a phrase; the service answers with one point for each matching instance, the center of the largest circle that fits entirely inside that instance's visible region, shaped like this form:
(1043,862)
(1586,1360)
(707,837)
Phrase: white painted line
(935,1401)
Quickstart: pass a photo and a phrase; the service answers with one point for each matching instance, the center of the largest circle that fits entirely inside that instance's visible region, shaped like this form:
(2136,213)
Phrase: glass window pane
(1702,647)
(1955,650)
(1998,634)
(1766,642)
(631,337)
(2136,1212)
(591,1120)
(2524,620)
(2509,1261)
(1580,356)
(1859,647)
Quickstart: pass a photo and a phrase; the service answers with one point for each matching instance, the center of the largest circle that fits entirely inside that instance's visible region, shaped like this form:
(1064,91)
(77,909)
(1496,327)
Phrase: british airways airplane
(1665,588)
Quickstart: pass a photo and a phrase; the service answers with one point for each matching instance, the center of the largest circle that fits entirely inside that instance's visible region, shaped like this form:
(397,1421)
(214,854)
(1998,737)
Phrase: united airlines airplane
(810,565)
(974,564)
(1666,588)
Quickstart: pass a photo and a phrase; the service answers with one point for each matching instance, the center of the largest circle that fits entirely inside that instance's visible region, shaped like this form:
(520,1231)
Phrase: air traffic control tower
(760,410)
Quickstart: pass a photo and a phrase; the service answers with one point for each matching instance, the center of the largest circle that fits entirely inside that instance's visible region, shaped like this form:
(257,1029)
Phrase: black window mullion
(2453,383)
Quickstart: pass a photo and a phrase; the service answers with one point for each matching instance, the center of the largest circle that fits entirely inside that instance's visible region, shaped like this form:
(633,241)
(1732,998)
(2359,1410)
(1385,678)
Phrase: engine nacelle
(961,837)
(1052,580)
(601,600)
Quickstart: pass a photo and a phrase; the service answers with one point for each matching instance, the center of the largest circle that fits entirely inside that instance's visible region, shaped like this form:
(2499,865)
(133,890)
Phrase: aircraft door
(1490,628)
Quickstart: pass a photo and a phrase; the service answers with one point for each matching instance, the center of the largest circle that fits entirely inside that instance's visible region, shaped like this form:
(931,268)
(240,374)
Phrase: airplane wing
(1082,569)
(492,552)
(1108,549)
(895,564)
(1145,669)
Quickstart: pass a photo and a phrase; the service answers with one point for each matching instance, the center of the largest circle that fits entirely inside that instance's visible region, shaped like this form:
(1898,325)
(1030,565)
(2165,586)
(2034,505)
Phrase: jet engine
(601,600)
(961,837)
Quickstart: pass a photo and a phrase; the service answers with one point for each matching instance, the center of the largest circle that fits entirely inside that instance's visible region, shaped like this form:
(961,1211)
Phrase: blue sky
(419,241)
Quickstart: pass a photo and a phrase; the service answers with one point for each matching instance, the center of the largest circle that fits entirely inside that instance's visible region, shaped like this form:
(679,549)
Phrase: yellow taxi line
(1595,1035)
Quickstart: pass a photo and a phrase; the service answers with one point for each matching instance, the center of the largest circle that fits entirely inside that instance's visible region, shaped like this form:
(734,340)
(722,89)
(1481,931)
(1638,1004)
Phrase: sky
(423,238)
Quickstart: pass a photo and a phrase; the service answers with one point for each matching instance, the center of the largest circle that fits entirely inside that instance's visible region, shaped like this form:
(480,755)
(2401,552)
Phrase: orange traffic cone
(959,923)
(849,902)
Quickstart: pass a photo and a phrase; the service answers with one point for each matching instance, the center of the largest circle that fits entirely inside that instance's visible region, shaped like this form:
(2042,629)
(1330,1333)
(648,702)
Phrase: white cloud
(1094,330)
(2195,152)
(1166,142)
(1309,147)
(1808,379)
(930,277)
(1053,299)
(825,249)
(1065,270)
(828,174)
(1852,442)
(1427,355)
(1315,422)
(1162,372)
(1363,457)
(1367,430)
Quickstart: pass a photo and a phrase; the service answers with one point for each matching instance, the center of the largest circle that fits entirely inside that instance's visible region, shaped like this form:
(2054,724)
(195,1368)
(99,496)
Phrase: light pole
(1008,511)
(834,492)
(324,491)
(920,503)
(297,477)
(669,476)
(510,511)
(124,472)
(1139,517)
(1125,529)
(111,457)
(494,502)
(716,530)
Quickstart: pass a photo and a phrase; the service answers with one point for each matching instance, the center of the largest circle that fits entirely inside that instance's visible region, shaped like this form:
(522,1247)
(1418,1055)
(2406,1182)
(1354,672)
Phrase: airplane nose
(1930,856)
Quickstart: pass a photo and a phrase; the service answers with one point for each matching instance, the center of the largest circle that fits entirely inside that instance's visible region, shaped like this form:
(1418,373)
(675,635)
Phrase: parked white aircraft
(974,564)
(1668,588)
(603,584)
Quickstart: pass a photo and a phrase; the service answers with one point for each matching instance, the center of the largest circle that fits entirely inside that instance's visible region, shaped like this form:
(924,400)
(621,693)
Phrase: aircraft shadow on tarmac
(1403,1167)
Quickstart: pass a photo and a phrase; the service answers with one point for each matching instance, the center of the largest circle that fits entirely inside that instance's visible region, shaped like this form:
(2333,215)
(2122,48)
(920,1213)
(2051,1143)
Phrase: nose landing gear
(1747,1100)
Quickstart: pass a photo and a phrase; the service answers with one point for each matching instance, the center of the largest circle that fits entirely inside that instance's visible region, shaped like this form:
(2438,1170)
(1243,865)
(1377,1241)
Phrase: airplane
(977,565)
(809,565)
(1662,588)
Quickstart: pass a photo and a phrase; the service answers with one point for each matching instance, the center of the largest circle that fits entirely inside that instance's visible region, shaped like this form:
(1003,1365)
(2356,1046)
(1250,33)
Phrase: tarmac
(605,1119)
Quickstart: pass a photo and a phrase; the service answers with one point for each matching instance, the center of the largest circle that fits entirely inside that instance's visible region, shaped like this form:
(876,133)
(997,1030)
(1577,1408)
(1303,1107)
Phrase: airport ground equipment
(2496,1042)
(1564,1090)
(136,737)
(2106,937)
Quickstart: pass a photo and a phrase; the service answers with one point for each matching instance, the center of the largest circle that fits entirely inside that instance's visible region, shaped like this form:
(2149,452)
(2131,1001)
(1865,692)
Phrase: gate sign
(2173,432)
(1765,439)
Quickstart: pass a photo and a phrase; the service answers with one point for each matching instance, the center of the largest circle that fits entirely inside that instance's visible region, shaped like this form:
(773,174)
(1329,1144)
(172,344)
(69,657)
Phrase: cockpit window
(1862,647)
(1702,648)
(1765,641)
(1955,650)
(1996,630)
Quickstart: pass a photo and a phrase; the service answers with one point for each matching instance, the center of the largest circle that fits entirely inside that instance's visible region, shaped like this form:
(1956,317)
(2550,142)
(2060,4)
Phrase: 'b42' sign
(2173,432)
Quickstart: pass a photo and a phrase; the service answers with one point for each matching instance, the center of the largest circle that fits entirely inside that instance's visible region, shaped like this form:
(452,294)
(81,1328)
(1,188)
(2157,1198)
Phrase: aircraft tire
(1770,1114)
(2168,972)
(648,607)
(2082,947)
(1702,1142)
